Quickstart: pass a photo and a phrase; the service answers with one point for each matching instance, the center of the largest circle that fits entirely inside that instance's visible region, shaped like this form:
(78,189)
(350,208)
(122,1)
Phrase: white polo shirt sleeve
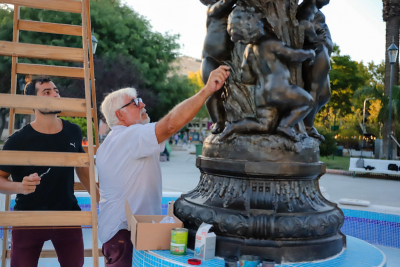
(142,140)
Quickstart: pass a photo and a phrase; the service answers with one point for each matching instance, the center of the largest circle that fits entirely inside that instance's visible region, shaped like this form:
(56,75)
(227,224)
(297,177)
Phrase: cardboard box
(146,235)
(204,248)
(209,248)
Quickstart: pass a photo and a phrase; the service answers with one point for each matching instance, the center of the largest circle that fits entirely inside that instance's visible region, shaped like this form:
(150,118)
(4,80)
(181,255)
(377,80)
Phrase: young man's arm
(27,186)
(184,112)
(83,175)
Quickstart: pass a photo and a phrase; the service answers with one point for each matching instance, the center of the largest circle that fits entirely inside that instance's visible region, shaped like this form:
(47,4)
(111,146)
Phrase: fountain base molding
(270,209)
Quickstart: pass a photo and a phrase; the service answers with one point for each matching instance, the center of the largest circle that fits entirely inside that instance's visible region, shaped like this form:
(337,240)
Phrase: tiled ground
(358,253)
(375,228)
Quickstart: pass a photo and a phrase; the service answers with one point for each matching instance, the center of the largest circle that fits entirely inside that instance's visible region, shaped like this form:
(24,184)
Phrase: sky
(355,25)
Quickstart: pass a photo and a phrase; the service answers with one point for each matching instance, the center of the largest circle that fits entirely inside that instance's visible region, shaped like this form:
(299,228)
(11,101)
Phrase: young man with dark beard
(45,188)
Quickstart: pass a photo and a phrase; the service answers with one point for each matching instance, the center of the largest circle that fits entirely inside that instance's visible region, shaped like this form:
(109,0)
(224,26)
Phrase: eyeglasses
(137,102)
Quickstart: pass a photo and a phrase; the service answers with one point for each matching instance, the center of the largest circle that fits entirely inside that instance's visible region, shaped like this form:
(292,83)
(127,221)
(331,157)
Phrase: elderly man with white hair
(128,161)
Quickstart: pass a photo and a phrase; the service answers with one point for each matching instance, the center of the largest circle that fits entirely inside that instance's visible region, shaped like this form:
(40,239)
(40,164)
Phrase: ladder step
(57,159)
(59,5)
(79,187)
(86,148)
(42,103)
(38,26)
(58,71)
(48,253)
(62,114)
(41,51)
(45,218)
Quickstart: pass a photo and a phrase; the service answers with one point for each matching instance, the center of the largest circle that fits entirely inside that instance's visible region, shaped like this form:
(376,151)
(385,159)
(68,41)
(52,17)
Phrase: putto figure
(306,15)
(261,59)
(217,49)
(315,74)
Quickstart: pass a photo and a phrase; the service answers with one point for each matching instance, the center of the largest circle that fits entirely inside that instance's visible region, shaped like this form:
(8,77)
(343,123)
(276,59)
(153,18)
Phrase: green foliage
(336,162)
(6,29)
(345,78)
(195,78)
(328,147)
(82,123)
(121,32)
(351,84)
(175,90)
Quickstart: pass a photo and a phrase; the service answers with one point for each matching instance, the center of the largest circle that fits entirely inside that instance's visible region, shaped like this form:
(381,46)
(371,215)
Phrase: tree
(195,79)
(112,73)
(129,53)
(175,90)
(380,107)
(348,104)
(391,15)
(346,78)
(328,147)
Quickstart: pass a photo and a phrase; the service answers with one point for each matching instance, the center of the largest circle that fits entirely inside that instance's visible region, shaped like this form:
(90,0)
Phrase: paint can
(231,262)
(179,238)
(249,261)
(268,263)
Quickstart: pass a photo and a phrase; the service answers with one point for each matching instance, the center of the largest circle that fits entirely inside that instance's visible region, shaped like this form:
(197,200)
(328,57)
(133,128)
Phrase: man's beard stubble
(144,121)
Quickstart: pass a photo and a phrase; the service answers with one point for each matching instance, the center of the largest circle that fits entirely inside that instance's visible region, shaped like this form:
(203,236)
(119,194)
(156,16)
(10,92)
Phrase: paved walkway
(181,175)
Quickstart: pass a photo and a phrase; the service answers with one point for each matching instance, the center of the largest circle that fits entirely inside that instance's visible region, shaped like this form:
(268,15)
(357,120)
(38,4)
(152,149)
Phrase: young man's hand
(217,79)
(29,183)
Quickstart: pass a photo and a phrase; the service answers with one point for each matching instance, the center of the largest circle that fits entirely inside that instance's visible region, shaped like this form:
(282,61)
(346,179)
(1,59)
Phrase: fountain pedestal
(258,207)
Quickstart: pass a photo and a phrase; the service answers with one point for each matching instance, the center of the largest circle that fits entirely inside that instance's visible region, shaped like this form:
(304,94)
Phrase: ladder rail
(78,107)
(93,201)
(14,61)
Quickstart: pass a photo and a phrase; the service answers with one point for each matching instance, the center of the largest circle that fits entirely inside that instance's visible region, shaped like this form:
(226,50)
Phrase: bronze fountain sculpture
(260,167)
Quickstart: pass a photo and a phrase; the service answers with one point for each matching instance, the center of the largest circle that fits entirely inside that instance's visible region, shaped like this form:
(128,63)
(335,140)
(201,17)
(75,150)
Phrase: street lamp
(364,129)
(392,52)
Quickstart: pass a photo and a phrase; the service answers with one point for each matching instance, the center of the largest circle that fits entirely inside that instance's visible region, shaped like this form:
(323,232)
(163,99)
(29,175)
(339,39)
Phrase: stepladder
(69,107)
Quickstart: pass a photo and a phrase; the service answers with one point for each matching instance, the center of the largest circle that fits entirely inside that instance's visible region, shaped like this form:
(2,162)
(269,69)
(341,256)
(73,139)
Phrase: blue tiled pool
(358,254)
(373,227)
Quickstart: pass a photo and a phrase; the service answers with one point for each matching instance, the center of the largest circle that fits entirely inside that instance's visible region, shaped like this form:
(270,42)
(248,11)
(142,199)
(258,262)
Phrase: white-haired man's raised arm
(184,112)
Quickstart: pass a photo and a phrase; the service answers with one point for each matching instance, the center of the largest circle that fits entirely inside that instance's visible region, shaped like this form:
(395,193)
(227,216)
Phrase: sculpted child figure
(262,65)
(315,74)
(216,49)
(306,14)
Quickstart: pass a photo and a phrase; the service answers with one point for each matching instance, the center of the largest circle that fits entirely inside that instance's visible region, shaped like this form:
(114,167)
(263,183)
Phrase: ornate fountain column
(260,167)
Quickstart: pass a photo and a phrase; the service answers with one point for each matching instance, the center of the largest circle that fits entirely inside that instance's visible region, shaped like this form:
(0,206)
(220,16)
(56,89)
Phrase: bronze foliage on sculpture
(280,106)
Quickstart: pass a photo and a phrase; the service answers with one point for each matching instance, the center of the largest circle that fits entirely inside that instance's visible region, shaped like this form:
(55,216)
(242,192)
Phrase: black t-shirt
(56,189)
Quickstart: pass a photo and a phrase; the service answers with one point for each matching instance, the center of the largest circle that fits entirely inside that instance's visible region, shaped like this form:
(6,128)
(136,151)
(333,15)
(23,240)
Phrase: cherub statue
(305,15)
(262,65)
(216,49)
(315,74)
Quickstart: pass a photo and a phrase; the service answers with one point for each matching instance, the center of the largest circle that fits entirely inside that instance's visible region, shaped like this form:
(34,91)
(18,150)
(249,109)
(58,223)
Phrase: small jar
(268,263)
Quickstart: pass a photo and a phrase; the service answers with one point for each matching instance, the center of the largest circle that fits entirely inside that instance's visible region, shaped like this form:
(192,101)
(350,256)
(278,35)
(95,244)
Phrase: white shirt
(129,169)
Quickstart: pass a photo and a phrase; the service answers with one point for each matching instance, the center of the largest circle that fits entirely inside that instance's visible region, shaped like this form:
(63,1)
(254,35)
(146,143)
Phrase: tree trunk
(391,15)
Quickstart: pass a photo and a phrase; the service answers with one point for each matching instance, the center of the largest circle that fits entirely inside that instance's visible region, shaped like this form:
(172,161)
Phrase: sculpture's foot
(217,127)
(311,131)
(290,132)
(226,132)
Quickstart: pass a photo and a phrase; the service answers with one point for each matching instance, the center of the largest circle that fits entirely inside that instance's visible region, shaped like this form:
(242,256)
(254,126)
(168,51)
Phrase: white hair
(114,101)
